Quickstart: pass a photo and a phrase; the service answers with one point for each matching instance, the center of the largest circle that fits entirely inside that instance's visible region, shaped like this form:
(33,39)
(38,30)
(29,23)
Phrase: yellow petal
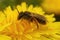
(30,8)
(24,6)
(3,37)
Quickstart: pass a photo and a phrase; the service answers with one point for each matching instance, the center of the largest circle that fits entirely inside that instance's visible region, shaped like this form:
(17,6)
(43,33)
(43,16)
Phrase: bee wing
(41,19)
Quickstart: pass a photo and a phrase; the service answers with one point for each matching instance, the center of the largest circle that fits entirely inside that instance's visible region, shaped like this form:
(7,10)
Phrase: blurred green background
(5,3)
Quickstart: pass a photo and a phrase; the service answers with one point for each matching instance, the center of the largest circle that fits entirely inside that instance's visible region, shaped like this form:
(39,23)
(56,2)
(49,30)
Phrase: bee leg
(36,22)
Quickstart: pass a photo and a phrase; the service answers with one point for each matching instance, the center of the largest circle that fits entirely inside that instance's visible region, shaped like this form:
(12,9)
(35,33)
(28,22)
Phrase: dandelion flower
(23,23)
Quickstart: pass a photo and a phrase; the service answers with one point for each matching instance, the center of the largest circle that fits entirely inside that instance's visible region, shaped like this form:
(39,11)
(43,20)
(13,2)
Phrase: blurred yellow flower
(52,6)
(22,29)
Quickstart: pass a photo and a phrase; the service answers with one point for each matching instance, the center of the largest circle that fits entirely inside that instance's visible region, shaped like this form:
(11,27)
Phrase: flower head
(33,24)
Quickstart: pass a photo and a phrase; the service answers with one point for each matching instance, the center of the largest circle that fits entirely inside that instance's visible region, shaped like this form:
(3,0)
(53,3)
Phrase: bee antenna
(17,10)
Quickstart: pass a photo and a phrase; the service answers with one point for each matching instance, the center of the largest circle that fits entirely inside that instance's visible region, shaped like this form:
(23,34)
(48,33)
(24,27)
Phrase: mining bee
(27,15)
(32,17)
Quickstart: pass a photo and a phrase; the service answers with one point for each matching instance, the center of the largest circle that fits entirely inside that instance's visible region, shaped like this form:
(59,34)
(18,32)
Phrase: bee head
(25,15)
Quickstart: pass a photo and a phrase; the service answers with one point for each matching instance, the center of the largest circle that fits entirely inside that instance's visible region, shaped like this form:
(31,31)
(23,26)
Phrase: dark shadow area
(57,17)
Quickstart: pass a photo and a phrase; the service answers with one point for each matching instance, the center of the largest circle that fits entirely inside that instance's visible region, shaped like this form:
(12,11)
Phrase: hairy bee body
(31,16)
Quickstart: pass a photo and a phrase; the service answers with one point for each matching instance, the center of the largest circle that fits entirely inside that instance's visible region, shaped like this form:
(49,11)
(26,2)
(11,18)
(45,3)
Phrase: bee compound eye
(20,15)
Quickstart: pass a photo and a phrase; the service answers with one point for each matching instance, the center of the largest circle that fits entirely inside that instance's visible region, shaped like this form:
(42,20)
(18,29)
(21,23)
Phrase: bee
(32,17)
